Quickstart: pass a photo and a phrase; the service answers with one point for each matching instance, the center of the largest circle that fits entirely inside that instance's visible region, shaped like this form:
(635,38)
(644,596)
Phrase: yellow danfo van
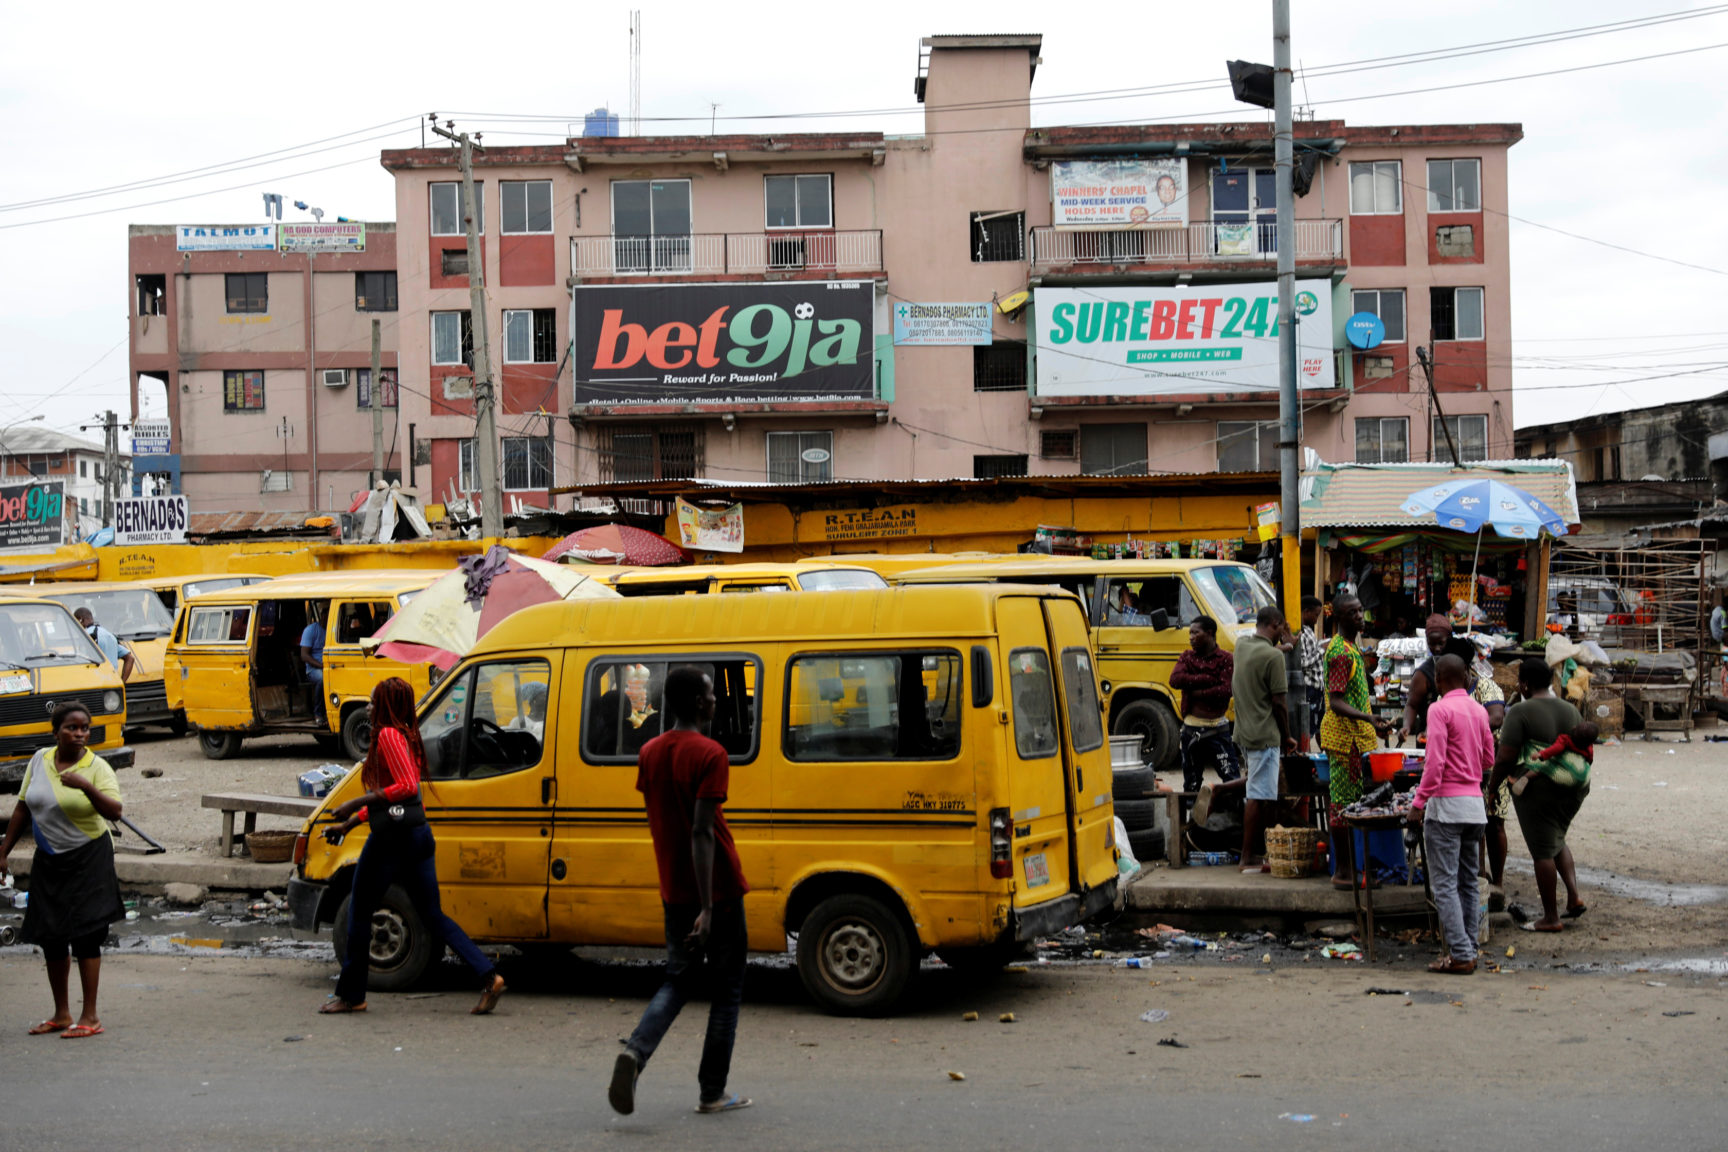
(959,804)
(736,578)
(46,659)
(171,590)
(1137,639)
(236,654)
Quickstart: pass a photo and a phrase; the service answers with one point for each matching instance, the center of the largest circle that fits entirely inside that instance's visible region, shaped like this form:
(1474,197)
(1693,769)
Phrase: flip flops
(489,996)
(1575,912)
(730,1103)
(1530,926)
(80,1031)
(48,1028)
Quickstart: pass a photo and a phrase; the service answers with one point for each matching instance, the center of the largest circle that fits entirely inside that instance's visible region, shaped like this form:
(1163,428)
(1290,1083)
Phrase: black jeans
(407,857)
(725,955)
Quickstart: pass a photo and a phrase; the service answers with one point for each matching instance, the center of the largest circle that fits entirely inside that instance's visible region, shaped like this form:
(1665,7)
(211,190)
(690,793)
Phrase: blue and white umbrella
(1471,505)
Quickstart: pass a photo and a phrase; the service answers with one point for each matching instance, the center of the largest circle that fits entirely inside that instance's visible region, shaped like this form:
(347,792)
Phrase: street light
(5,452)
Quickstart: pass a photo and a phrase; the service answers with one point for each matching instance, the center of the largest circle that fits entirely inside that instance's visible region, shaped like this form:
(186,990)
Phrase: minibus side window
(873,706)
(356,621)
(1034,700)
(1085,723)
(1169,593)
(623,705)
(225,625)
(488,721)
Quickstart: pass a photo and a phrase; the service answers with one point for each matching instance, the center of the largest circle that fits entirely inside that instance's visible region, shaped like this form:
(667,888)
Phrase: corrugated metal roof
(253,523)
(1370,495)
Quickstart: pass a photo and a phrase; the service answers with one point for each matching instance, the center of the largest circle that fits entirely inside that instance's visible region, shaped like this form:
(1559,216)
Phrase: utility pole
(377,399)
(1426,356)
(485,411)
(110,463)
(1289,410)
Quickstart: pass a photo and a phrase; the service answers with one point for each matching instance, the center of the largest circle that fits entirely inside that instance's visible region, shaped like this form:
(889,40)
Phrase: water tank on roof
(600,122)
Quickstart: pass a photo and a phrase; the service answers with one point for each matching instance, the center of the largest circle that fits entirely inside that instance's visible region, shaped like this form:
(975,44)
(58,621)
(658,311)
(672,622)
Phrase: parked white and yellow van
(236,653)
(913,770)
(1137,649)
(47,659)
(742,578)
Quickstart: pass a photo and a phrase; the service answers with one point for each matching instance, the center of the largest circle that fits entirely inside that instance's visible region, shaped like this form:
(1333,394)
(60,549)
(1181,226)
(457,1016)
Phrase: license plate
(10,684)
(1037,871)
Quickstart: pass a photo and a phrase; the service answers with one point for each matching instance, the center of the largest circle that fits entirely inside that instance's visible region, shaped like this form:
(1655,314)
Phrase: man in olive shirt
(1258,684)
(1546,808)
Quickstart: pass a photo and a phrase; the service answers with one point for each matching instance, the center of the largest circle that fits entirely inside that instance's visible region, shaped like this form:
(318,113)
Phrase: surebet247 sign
(658,344)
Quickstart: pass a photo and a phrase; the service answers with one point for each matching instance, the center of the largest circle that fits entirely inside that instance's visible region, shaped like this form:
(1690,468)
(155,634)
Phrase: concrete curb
(150,874)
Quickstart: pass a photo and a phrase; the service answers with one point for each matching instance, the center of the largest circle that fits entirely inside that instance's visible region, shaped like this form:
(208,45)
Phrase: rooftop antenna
(713,111)
(635,72)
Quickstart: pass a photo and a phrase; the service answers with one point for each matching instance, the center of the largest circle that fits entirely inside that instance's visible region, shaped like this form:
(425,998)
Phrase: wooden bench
(252,804)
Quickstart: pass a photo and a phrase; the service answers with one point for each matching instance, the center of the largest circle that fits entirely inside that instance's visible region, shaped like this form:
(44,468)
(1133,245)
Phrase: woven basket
(1290,851)
(270,847)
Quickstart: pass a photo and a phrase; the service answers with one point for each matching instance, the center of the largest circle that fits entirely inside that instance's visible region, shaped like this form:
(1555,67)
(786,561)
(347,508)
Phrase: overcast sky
(1628,155)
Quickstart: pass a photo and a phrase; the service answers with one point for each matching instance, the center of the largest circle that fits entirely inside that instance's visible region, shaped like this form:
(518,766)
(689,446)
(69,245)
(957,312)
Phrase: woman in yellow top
(67,797)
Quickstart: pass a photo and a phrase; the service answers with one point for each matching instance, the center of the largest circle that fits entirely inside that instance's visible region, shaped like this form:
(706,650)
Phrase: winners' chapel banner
(1118,193)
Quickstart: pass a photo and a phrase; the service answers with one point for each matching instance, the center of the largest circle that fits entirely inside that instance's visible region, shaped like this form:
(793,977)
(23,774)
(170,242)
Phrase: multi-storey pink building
(760,307)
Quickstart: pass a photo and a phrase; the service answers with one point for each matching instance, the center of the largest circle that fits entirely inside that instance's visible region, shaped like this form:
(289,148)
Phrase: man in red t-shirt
(683,776)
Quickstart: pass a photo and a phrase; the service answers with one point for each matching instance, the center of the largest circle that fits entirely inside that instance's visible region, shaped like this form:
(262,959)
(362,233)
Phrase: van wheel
(854,956)
(401,949)
(218,745)
(1155,724)
(357,733)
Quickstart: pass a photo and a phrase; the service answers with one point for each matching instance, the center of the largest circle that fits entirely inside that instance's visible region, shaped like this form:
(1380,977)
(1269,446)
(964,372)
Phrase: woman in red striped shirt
(399,849)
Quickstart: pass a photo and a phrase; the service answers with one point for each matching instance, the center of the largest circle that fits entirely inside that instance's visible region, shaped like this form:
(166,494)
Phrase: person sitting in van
(532,718)
(312,644)
(1121,609)
(1203,674)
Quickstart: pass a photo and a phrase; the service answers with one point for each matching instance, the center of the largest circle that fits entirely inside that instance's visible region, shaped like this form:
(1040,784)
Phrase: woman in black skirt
(67,797)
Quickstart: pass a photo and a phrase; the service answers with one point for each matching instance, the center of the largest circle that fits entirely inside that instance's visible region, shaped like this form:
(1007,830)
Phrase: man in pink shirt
(1449,807)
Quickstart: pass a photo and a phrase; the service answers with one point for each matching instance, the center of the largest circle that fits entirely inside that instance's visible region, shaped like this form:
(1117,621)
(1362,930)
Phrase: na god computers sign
(1365,330)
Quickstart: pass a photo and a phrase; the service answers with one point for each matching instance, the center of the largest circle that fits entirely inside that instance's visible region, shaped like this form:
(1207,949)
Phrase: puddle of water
(1690,966)
(1650,891)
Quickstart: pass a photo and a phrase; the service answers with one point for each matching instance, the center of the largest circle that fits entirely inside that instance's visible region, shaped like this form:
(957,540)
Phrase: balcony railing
(722,254)
(1192,243)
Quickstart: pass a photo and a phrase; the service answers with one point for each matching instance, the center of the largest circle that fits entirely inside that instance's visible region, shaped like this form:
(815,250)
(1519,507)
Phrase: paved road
(198,1055)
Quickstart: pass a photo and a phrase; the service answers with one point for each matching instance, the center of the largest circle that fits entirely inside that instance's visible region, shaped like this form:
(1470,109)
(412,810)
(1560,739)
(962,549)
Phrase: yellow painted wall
(266,557)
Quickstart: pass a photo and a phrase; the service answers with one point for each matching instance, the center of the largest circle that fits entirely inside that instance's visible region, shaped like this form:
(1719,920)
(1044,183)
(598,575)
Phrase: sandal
(49,1027)
(489,996)
(1575,911)
(335,1005)
(80,1031)
(730,1103)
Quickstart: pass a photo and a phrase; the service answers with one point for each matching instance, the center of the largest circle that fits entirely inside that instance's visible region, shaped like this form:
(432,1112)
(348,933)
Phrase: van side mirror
(1160,619)
(983,677)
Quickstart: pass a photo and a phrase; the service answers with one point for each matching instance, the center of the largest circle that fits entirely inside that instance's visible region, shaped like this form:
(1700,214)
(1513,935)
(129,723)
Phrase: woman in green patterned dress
(1349,729)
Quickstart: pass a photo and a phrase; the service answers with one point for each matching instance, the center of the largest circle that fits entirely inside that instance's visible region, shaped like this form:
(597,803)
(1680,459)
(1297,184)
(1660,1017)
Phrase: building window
(1386,303)
(1057,445)
(530,337)
(1608,462)
(152,294)
(1454,185)
(84,469)
(1377,188)
(375,291)
(247,292)
(241,392)
(1455,313)
(799,201)
(1383,440)
(651,225)
(999,367)
(84,505)
(991,467)
(527,463)
(453,262)
(1470,433)
(997,236)
(447,209)
(1377,367)
(1247,446)
(363,387)
(1113,449)
(1455,241)
(642,453)
(452,338)
(527,207)
(466,472)
(800,457)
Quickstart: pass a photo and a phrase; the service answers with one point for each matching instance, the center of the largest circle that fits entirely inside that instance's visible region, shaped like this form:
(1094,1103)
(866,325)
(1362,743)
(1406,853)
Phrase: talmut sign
(662,343)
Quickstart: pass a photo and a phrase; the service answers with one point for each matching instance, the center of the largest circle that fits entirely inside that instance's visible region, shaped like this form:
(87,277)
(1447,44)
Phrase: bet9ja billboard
(724,343)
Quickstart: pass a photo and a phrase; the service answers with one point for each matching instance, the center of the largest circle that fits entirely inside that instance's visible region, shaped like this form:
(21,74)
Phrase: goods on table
(1382,802)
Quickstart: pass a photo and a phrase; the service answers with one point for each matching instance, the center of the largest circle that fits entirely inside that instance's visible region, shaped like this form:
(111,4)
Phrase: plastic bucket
(1382,766)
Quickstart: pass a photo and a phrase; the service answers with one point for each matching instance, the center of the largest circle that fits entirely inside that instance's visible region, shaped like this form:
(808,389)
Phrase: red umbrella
(618,544)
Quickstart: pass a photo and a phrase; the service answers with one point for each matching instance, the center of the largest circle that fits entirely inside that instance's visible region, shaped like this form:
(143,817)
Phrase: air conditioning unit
(335,377)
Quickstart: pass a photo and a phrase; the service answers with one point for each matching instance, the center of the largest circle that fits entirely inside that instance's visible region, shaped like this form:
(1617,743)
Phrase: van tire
(1147,844)
(1132,783)
(357,733)
(854,956)
(1137,815)
(219,745)
(1154,722)
(401,946)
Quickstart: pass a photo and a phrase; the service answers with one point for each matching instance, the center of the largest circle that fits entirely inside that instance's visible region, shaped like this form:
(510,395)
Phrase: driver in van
(532,718)
(1120,608)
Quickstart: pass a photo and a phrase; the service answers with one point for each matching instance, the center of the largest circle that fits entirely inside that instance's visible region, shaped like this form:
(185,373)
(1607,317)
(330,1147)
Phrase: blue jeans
(1452,866)
(725,956)
(405,857)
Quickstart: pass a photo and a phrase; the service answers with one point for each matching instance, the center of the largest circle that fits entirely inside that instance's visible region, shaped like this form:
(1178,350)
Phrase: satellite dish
(1013,302)
(1365,330)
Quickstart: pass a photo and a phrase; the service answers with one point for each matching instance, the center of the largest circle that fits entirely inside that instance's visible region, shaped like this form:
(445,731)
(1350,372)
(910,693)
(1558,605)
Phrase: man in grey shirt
(1259,685)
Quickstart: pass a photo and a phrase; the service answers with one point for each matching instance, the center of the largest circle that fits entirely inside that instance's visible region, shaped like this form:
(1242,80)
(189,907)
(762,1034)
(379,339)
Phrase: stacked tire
(1137,808)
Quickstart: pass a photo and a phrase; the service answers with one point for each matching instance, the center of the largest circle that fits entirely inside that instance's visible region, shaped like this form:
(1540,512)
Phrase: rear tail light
(1110,833)
(301,843)
(1001,844)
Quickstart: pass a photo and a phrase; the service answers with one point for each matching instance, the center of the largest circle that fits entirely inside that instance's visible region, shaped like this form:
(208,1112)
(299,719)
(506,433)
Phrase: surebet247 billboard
(720,343)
